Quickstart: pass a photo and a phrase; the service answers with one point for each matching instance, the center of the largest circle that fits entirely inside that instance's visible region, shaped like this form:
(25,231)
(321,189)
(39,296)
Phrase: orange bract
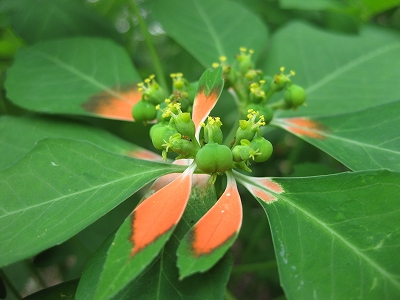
(220,223)
(202,106)
(160,212)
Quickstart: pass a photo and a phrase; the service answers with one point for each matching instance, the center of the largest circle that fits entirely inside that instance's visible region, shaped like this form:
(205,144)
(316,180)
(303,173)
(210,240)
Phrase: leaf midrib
(352,64)
(79,74)
(54,200)
(282,124)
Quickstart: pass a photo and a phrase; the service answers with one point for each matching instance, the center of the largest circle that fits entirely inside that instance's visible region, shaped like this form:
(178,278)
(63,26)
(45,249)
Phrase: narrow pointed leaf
(144,234)
(209,89)
(344,73)
(82,76)
(208,31)
(208,240)
(160,280)
(13,147)
(60,187)
(362,140)
(337,236)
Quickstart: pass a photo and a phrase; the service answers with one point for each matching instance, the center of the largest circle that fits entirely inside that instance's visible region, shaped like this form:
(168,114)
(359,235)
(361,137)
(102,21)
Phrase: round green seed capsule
(214,158)
(294,96)
(263,147)
(144,111)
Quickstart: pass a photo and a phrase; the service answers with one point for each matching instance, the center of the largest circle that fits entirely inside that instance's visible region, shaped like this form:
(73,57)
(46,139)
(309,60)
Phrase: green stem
(278,104)
(150,45)
(8,283)
(247,268)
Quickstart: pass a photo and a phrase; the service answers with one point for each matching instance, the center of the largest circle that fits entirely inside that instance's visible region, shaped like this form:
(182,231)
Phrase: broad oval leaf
(82,76)
(341,73)
(40,20)
(209,30)
(337,236)
(361,140)
(33,129)
(59,188)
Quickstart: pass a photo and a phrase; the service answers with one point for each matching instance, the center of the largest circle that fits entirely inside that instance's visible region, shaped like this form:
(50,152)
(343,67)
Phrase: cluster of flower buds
(174,130)
(253,90)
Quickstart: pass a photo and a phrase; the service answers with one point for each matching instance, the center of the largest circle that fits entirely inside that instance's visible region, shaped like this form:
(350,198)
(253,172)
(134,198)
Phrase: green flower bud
(183,147)
(214,158)
(262,110)
(263,149)
(212,131)
(144,111)
(152,91)
(241,153)
(244,59)
(160,134)
(185,125)
(280,80)
(294,96)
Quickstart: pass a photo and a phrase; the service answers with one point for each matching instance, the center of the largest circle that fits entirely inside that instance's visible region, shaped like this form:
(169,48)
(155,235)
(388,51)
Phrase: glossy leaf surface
(208,31)
(337,236)
(59,188)
(362,140)
(83,76)
(33,129)
(341,73)
(160,279)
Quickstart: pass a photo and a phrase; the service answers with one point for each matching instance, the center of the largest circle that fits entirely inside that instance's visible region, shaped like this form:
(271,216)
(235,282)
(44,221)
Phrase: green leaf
(209,30)
(59,188)
(375,7)
(160,279)
(341,73)
(82,76)
(37,20)
(337,236)
(361,140)
(310,4)
(18,135)
(62,291)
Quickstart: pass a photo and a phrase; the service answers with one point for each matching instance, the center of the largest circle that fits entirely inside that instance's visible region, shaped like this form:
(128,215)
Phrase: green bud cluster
(254,90)
(154,96)
(174,130)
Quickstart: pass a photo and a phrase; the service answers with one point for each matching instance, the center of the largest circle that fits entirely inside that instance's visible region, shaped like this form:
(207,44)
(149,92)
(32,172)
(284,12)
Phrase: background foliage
(67,181)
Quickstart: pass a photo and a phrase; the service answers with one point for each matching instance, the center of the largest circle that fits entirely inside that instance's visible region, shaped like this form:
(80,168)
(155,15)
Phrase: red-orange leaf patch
(220,223)
(160,212)
(304,127)
(114,104)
